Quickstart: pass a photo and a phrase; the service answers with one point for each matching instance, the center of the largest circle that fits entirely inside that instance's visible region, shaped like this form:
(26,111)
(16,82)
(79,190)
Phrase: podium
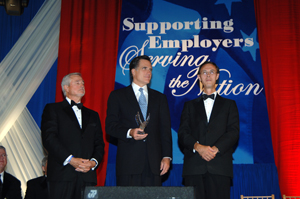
(115,192)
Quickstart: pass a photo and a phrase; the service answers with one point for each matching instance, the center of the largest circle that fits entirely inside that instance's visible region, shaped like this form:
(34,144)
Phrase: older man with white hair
(72,135)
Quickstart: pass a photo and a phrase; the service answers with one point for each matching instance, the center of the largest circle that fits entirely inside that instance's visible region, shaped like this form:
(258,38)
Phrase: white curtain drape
(21,72)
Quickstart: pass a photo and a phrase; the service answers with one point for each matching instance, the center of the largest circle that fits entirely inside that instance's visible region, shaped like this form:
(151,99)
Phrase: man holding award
(139,118)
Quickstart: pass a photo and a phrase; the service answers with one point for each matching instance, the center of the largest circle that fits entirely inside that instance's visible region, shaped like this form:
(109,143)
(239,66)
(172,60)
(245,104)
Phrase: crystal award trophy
(142,125)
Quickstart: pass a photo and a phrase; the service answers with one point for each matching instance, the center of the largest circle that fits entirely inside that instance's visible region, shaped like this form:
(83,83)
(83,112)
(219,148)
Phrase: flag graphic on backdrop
(179,36)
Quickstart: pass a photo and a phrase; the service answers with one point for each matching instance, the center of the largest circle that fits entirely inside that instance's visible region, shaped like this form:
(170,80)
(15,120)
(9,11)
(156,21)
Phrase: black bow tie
(79,105)
(212,96)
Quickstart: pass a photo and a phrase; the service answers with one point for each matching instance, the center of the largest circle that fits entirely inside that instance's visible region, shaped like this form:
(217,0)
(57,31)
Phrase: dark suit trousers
(209,186)
(147,178)
(68,190)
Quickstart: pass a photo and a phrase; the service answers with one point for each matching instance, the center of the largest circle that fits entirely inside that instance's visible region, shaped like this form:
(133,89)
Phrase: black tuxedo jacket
(62,136)
(37,188)
(11,188)
(222,131)
(122,106)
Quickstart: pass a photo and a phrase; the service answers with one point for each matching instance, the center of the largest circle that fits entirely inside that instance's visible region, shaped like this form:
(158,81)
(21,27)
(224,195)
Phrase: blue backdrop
(180,35)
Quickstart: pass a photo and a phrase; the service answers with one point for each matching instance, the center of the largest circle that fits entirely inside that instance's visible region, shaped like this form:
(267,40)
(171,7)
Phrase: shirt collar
(136,88)
(2,176)
(69,100)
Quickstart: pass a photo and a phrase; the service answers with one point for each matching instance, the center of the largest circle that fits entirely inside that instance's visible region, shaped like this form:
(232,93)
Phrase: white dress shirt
(78,114)
(2,177)
(208,104)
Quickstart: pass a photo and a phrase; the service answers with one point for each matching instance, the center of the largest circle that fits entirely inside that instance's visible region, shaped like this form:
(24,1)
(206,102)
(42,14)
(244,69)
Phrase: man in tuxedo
(142,158)
(10,186)
(37,188)
(72,135)
(208,132)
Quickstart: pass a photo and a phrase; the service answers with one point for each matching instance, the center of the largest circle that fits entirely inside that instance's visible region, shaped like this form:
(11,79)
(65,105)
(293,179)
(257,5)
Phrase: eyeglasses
(212,72)
(3,156)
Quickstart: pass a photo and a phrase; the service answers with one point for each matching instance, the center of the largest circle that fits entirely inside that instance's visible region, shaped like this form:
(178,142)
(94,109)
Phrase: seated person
(37,187)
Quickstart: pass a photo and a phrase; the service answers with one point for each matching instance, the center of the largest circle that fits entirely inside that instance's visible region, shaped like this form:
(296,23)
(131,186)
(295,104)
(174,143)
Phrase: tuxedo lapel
(216,108)
(69,111)
(200,110)
(85,118)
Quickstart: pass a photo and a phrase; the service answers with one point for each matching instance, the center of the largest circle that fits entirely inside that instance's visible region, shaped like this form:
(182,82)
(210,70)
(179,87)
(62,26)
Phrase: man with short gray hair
(72,135)
(10,186)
